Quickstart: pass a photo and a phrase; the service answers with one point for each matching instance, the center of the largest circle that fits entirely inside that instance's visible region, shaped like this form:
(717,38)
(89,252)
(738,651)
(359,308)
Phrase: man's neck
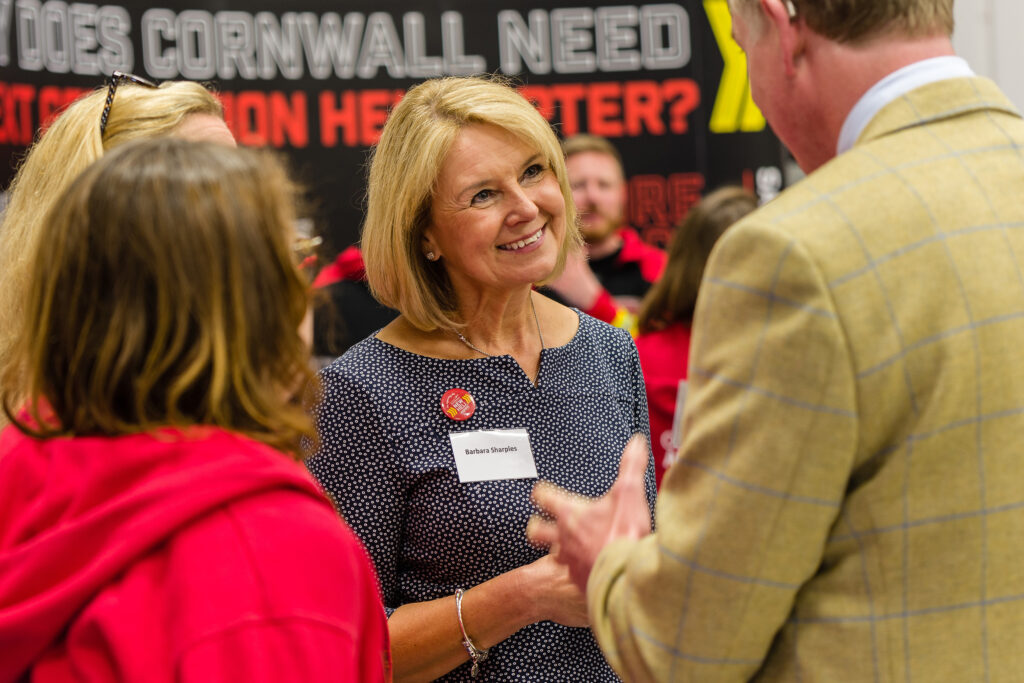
(844,73)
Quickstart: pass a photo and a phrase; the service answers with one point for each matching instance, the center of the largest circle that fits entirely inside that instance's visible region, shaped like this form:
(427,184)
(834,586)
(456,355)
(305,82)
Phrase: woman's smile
(497,213)
(521,245)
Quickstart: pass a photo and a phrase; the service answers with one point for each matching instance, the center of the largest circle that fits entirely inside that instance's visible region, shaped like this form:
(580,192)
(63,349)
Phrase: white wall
(988,36)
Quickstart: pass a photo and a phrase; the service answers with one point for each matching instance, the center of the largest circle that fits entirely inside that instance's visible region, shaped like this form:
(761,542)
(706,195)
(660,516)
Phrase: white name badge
(495,454)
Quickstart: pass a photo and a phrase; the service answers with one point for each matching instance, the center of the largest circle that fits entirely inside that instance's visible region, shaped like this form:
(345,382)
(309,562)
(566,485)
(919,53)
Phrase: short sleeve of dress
(351,466)
(625,359)
(641,418)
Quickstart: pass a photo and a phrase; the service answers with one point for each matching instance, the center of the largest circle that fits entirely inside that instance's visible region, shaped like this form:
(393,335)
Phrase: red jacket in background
(626,275)
(178,556)
(664,357)
(347,267)
(650,260)
(346,312)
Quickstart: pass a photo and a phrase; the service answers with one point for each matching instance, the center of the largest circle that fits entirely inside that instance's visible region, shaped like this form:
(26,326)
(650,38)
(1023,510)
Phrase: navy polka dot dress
(386,458)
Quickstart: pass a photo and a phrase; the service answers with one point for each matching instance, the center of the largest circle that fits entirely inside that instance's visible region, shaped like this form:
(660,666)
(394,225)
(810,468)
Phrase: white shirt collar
(894,86)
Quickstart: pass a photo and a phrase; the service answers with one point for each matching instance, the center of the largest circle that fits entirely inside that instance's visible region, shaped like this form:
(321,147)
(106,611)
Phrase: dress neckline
(545,351)
(503,359)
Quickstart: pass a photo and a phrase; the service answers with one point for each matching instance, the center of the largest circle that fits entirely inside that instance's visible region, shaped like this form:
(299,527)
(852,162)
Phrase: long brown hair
(674,295)
(166,294)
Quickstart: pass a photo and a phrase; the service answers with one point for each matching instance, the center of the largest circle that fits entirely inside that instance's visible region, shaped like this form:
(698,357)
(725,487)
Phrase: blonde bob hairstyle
(404,168)
(166,294)
(63,150)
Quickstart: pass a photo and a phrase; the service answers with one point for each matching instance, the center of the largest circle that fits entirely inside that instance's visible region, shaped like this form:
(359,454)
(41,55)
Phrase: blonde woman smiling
(433,430)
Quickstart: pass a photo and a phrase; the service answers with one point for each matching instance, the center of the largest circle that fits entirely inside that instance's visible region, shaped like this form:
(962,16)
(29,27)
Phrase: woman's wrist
(528,590)
(476,654)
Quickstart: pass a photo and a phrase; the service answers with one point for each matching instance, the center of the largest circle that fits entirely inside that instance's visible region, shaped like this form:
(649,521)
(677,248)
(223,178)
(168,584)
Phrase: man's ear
(782,17)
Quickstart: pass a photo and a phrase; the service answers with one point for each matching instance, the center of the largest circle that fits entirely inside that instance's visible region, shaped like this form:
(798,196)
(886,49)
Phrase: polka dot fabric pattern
(386,458)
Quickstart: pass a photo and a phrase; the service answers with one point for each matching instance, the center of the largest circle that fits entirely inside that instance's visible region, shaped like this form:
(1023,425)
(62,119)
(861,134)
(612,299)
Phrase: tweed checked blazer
(849,500)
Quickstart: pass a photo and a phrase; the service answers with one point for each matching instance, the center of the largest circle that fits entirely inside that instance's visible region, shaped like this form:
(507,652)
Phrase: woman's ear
(427,246)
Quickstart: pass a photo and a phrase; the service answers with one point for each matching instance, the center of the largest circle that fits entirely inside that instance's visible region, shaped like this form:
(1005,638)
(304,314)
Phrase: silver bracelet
(476,655)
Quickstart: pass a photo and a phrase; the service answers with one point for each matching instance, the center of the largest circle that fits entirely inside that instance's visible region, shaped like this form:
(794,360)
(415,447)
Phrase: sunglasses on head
(116,79)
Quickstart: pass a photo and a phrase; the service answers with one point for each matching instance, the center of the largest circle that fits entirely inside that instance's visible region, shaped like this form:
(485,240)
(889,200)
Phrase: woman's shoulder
(367,358)
(376,372)
(572,329)
(358,352)
(362,377)
(599,333)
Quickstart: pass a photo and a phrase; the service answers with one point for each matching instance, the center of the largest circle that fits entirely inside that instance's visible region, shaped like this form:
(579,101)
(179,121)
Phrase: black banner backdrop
(664,81)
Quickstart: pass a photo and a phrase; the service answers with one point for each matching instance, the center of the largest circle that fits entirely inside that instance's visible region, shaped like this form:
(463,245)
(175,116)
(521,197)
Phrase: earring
(430,256)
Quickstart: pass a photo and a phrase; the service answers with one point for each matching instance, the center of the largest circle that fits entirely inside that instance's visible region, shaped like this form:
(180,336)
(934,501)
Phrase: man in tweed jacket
(849,500)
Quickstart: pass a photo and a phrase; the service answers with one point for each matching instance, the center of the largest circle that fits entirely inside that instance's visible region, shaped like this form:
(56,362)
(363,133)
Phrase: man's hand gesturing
(579,528)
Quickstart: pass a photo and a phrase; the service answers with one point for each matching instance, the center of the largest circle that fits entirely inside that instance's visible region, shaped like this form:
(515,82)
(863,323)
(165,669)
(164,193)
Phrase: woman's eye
(533,171)
(481,196)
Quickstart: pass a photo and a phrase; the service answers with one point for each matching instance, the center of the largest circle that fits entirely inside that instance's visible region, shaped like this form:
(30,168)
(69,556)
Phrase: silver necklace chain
(540,334)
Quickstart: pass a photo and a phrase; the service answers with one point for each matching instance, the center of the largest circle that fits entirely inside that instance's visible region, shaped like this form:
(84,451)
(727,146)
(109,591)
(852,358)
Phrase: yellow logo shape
(734,110)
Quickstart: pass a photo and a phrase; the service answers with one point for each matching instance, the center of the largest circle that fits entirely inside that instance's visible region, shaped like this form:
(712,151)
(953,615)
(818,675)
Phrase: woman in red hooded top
(666,315)
(155,523)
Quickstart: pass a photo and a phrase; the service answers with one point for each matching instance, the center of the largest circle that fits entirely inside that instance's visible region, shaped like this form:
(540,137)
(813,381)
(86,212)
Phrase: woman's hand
(555,597)
(426,641)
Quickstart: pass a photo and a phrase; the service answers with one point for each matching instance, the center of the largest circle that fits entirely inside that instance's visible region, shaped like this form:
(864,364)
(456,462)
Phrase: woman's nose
(522,207)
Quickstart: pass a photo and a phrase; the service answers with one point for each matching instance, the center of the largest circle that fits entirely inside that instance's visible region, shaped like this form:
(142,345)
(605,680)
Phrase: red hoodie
(177,556)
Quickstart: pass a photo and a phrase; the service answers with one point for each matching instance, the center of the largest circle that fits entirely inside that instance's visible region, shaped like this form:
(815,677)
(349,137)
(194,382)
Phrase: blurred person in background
(613,274)
(128,108)
(666,315)
(433,430)
(345,311)
(155,523)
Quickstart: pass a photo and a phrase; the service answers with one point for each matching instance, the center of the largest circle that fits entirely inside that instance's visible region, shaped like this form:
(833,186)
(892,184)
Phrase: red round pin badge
(458,404)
